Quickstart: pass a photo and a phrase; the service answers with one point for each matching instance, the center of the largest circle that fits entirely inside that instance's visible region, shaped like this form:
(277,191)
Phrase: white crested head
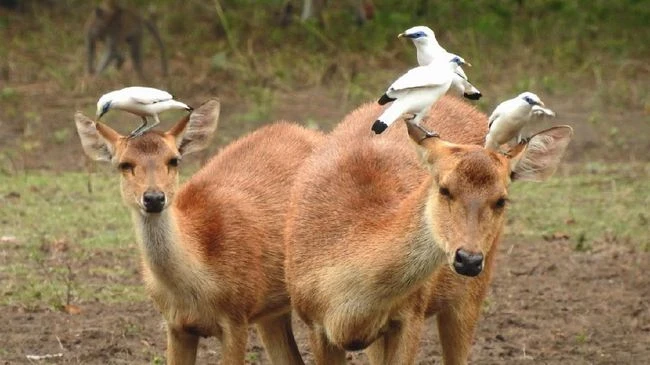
(419,34)
(456,60)
(104,104)
(530,98)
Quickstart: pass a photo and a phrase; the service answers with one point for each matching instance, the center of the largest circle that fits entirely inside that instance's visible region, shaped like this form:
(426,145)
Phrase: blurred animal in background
(428,49)
(142,101)
(364,10)
(511,116)
(115,26)
(418,89)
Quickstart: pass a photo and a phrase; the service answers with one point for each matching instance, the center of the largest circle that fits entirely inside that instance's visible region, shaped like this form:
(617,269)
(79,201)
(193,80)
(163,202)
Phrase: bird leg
(156,122)
(425,133)
(141,129)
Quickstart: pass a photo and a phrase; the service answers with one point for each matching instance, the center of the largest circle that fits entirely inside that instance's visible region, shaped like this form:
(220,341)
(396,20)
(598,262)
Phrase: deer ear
(428,145)
(538,159)
(193,132)
(97,139)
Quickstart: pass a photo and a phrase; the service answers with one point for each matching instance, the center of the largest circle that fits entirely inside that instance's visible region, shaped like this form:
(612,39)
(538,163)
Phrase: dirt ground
(548,304)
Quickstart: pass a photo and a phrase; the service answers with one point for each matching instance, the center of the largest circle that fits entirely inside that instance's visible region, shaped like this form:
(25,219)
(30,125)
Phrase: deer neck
(415,253)
(161,243)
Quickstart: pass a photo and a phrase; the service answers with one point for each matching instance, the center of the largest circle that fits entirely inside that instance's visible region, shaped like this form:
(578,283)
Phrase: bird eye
(445,192)
(173,161)
(126,167)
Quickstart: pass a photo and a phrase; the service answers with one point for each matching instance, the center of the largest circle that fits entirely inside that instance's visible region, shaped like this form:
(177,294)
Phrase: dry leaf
(8,239)
(557,236)
(72,309)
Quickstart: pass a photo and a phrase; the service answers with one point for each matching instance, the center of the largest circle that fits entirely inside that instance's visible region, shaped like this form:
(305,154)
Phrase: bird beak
(401,35)
(468,64)
(541,103)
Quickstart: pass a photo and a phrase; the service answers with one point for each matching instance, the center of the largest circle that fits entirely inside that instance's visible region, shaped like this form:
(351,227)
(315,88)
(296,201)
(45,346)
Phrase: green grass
(70,246)
(73,246)
(596,202)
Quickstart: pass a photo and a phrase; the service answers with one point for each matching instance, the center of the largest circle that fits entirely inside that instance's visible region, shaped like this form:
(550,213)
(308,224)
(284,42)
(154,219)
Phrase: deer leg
(110,53)
(278,340)
(456,329)
(400,344)
(233,343)
(324,352)
(181,347)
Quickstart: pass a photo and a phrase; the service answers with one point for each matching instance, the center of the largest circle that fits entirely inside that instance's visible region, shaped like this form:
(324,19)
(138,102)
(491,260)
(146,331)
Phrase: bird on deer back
(428,49)
(415,91)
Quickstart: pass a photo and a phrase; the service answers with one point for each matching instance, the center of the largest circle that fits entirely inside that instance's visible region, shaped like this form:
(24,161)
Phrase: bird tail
(385,99)
(471,92)
(388,117)
(539,111)
(178,105)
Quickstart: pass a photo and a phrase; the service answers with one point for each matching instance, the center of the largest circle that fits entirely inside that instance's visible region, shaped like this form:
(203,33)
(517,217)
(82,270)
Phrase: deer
(384,231)
(212,248)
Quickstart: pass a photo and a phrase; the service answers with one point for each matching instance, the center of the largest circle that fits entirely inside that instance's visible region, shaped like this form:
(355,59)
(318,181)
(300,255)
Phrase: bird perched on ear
(428,50)
(415,91)
(142,101)
(511,116)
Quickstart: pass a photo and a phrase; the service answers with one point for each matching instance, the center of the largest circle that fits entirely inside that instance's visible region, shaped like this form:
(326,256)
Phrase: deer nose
(153,201)
(468,263)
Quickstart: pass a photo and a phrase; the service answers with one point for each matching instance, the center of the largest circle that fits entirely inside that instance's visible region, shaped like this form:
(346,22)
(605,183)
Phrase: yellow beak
(401,35)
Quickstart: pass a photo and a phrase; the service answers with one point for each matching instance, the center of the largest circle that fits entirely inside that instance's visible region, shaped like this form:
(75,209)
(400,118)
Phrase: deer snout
(468,263)
(153,201)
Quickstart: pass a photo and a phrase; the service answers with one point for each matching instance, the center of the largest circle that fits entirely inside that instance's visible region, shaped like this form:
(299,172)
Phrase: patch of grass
(70,245)
(586,203)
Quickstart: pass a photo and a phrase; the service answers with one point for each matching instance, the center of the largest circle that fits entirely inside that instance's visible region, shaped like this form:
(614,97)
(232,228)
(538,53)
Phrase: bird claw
(427,133)
(524,140)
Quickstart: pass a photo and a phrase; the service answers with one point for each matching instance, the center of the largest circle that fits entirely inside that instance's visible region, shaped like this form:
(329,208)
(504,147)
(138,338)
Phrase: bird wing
(148,95)
(494,116)
(460,72)
(422,76)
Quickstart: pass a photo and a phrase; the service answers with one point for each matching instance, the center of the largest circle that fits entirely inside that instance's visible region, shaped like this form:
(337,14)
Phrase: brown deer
(382,231)
(212,249)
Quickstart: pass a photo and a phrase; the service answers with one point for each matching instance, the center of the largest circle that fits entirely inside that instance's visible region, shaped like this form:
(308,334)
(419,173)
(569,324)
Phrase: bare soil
(548,304)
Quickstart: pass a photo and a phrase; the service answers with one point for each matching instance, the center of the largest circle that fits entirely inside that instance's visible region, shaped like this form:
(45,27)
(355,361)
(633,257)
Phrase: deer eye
(173,161)
(500,203)
(126,167)
(445,192)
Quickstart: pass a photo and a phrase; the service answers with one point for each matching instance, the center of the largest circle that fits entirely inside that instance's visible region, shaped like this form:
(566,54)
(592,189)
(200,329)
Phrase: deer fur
(212,259)
(372,240)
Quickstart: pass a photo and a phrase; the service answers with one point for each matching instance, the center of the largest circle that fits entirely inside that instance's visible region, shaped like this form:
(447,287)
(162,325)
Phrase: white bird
(428,50)
(142,101)
(511,116)
(415,91)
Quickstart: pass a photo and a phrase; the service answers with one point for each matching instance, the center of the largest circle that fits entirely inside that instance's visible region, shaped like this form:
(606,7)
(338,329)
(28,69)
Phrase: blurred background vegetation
(587,59)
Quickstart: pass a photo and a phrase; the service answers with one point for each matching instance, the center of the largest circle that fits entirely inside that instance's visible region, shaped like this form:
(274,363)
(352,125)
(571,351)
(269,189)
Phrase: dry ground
(549,304)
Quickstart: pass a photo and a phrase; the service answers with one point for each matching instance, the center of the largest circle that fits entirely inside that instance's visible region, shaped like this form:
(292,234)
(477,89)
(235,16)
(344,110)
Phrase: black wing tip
(378,126)
(385,99)
(474,96)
